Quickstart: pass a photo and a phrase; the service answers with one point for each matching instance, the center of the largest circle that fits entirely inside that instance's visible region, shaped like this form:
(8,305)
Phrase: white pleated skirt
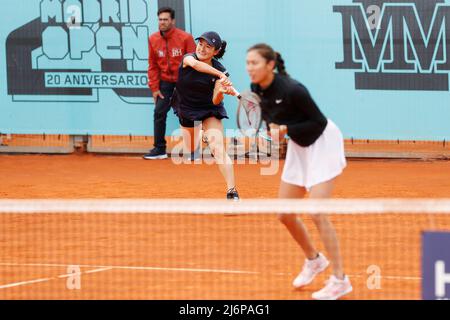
(321,162)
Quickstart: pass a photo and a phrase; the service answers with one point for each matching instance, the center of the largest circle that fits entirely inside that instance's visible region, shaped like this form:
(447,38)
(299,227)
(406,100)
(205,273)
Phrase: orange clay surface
(200,257)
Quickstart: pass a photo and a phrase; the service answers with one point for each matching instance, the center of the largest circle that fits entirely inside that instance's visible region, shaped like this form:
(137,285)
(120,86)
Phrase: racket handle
(236,93)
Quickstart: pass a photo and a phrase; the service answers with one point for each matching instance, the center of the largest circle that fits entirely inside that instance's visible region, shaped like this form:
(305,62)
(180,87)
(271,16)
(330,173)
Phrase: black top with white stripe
(287,102)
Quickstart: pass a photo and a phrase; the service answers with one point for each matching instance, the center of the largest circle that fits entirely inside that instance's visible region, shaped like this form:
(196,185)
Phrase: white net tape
(207,206)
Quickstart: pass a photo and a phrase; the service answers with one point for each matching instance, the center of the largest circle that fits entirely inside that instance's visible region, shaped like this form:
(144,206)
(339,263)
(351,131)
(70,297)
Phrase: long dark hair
(223,48)
(269,54)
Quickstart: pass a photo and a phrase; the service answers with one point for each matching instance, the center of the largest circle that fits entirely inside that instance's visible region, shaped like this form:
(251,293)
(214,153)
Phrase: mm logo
(408,48)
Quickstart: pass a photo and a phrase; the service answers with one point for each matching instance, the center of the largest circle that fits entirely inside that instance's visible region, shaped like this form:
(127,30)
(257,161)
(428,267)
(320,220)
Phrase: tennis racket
(249,121)
(249,116)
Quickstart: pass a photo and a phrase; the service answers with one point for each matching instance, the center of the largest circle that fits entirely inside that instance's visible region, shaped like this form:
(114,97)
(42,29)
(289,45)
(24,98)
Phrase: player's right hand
(156,95)
(225,81)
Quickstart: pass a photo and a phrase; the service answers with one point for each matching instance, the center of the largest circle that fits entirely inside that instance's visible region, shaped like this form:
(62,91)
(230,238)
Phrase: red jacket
(165,55)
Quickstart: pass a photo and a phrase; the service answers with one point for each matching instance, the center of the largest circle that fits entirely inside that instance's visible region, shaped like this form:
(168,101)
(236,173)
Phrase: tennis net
(207,249)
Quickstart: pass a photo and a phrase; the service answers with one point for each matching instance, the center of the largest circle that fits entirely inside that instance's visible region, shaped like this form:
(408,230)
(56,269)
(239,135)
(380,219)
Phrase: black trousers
(162,107)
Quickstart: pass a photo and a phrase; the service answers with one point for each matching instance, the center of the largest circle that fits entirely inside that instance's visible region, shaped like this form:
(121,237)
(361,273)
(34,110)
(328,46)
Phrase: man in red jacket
(166,50)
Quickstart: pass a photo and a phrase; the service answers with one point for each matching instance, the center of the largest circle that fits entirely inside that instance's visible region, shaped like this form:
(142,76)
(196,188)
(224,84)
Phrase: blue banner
(379,69)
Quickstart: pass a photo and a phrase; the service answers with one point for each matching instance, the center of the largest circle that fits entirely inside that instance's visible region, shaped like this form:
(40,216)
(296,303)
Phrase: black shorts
(191,117)
(187,123)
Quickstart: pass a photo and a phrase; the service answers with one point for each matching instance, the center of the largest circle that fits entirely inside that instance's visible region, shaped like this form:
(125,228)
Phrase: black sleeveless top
(194,93)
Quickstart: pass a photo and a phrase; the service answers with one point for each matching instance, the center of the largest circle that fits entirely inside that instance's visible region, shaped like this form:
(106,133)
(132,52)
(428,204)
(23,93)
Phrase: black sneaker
(232,194)
(156,154)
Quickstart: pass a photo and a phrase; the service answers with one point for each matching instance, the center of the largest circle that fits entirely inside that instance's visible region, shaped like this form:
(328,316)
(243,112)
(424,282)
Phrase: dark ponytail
(269,54)
(281,68)
(222,50)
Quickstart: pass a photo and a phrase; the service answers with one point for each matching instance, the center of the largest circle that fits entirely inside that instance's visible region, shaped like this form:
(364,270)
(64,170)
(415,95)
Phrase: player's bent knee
(217,147)
(287,219)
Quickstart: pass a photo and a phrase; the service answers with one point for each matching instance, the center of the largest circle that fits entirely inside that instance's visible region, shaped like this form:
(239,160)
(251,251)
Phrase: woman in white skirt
(315,157)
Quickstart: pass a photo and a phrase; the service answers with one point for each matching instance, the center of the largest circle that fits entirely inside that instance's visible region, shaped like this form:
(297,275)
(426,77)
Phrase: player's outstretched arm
(200,66)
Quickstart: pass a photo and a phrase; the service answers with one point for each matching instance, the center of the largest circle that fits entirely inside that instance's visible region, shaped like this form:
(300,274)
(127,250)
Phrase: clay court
(137,256)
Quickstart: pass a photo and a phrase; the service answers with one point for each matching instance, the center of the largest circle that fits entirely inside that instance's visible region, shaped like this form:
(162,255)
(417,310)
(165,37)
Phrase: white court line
(23,283)
(104,268)
(402,278)
(131,268)
(387,277)
(85,272)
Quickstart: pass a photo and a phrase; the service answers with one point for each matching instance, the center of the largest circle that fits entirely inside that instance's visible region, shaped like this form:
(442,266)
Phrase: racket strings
(249,113)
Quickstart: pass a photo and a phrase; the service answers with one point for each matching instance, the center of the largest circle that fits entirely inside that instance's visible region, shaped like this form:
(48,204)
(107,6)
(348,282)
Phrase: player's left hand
(277,132)
(227,90)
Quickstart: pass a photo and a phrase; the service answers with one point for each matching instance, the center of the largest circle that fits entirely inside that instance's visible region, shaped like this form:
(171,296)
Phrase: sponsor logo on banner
(74,48)
(436,266)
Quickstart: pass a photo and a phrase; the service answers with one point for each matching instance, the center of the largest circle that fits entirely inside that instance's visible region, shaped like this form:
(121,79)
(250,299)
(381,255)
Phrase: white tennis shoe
(310,270)
(334,289)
